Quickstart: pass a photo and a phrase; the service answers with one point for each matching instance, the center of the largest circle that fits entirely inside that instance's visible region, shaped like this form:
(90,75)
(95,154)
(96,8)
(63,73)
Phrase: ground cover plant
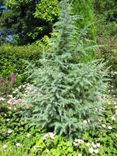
(19,138)
(56,98)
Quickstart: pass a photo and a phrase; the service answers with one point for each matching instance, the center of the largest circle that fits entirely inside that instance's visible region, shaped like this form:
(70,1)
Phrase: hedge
(12,59)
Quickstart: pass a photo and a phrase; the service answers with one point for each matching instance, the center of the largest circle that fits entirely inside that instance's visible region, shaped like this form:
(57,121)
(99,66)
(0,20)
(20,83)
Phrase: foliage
(108,51)
(12,58)
(6,85)
(101,141)
(56,147)
(27,20)
(85,9)
(67,93)
(11,122)
(20,139)
(51,7)
(68,90)
(106,8)
(35,22)
(106,14)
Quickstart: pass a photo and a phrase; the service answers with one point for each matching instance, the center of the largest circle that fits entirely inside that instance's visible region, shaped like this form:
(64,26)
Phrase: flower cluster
(93,148)
(49,135)
(17,98)
(113,73)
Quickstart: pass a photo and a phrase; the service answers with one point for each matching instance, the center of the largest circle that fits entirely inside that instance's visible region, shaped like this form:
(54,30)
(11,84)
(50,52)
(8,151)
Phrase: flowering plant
(6,85)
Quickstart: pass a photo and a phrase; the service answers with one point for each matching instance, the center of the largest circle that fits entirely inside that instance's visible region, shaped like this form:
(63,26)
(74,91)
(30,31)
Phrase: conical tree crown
(67,94)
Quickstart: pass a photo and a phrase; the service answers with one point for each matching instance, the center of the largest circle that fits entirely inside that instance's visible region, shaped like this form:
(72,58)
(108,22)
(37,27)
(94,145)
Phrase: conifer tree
(67,94)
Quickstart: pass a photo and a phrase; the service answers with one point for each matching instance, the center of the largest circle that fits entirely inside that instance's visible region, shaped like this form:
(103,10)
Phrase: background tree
(23,19)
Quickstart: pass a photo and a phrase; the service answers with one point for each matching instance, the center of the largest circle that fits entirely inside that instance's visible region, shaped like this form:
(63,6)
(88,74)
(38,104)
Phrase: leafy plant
(106,13)
(12,58)
(85,8)
(51,7)
(30,25)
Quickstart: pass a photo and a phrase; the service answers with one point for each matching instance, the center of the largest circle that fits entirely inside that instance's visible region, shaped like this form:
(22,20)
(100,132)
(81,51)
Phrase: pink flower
(1,80)
(12,78)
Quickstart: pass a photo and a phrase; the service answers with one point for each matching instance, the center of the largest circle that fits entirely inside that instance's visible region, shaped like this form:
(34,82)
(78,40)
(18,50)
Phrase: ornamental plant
(68,89)
(6,85)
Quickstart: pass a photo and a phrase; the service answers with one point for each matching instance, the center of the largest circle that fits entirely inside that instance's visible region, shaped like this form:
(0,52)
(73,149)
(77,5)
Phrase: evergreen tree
(67,94)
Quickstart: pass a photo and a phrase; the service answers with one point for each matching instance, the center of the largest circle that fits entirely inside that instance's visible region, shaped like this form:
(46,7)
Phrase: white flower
(85,121)
(10,96)
(28,135)
(35,147)
(2,99)
(10,108)
(49,135)
(75,144)
(19,87)
(79,154)
(18,144)
(109,127)
(96,151)
(8,119)
(91,150)
(98,144)
(79,141)
(5,146)
(47,151)
(94,145)
(23,86)
(9,101)
(113,118)
(16,90)
(10,131)
(103,125)
(88,144)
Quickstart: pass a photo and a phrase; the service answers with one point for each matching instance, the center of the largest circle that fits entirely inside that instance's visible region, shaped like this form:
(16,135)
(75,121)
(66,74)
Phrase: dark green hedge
(12,59)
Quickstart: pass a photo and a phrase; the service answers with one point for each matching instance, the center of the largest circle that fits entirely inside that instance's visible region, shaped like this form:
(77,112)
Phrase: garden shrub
(6,85)
(38,146)
(109,52)
(12,58)
(106,14)
(67,94)
(12,122)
